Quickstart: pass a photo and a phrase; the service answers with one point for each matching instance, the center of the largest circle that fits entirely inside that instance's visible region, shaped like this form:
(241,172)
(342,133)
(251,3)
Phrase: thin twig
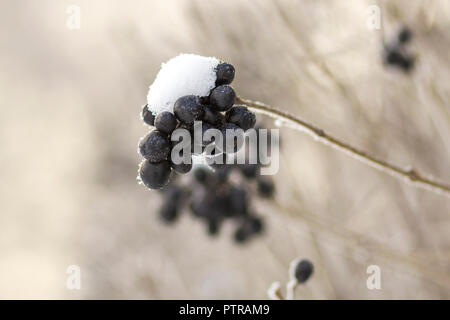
(408,175)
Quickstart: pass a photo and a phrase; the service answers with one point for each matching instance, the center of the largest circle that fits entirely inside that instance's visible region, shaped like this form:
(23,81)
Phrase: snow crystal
(183,75)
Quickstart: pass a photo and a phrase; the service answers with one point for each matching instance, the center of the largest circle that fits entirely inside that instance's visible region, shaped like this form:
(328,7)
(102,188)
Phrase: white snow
(183,75)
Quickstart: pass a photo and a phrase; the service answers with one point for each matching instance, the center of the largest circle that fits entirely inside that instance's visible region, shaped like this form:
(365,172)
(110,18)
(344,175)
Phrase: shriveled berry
(166,122)
(242,117)
(222,98)
(212,117)
(155,175)
(303,270)
(225,74)
(188,109)
(266,187)
(147,116)
(155,147)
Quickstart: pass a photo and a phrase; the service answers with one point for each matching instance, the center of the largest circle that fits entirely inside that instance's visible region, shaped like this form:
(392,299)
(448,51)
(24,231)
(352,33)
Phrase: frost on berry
(188,99)
(186,74)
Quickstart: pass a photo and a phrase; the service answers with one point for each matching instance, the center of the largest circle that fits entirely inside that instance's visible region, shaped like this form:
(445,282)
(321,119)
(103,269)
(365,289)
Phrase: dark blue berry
(155,147)
(155,175)
(222,98)
(303,270)
(166,122)
(188,109)
(147,116)
(212,117)
(242,117)
(225,74)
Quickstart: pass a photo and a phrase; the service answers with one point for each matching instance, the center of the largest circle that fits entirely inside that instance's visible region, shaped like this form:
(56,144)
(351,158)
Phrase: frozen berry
(222,98)
(212,117)
(242,117)
(265,187)
(188,109)
(166,122)
(154,175)
(155,147)
(225,74)
(303,270)
(147,116)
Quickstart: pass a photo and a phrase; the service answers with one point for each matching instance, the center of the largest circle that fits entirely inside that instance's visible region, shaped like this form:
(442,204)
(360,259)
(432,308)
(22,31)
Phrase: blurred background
(69,127)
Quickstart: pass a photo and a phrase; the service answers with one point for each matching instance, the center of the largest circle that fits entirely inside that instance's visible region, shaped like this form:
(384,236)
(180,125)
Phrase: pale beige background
(69,128)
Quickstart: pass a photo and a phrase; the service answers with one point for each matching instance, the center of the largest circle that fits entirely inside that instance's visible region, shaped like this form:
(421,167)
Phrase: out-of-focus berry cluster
(218,194)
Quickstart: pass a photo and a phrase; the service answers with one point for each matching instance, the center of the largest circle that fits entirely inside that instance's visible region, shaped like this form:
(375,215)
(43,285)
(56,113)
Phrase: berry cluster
(395,53)
(215,111)
(215,195)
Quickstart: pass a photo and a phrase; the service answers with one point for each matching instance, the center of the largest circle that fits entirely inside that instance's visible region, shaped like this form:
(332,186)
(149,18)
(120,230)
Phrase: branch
(408,175)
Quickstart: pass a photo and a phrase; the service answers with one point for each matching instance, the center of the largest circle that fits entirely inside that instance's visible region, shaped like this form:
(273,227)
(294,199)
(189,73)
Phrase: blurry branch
(409,175)
(411,263)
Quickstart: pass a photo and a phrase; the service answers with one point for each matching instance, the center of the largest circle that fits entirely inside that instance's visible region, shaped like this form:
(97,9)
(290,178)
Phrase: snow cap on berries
(186,74)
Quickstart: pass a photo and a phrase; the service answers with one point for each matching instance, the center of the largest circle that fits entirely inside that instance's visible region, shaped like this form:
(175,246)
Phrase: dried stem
(408,175)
